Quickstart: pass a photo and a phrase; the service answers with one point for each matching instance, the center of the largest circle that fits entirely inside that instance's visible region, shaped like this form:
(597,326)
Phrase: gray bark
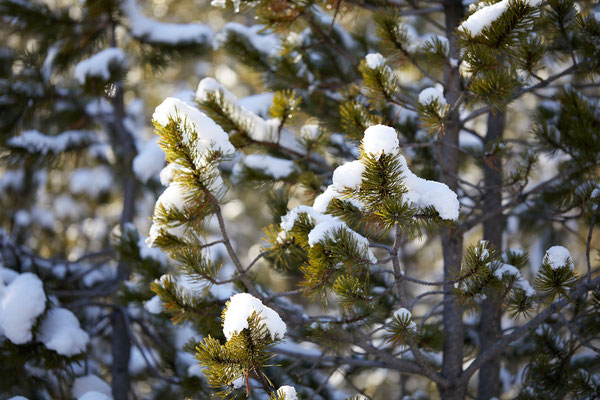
(452,240)
(489,324)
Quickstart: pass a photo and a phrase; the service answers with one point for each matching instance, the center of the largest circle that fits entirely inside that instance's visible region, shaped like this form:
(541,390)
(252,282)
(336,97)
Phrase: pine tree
(416,168)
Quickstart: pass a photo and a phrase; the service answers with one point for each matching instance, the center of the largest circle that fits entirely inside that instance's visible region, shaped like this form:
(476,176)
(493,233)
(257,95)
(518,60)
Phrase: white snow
(289,392)
(210,136)
(149,162)
(277,168)
(485,16)
(99,65)
(430,95)
(154,305)
(380,139)
(173,197)
(404,314)
(150,30)
(265,42)
(325,226)
(348,175)
(422,193)
(93,395)
(89,383)
(91,181)
(241,307)
(259,129)
(18,398)
(23,300)
(238,383)
(60,331)
(520,282)
(558,257)
(36,142)
(322,201)
(375,60)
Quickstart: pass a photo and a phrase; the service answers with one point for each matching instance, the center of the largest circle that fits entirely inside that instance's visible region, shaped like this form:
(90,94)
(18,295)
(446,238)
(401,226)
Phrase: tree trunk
(489,323)
(452,241)
(120,354)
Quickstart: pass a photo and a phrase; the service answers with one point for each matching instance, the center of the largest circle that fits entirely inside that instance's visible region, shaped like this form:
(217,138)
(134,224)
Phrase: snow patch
(23,300)
(100,64)
(149,162)
(278,168)
(241,307)
(89,383)
(287,392)
(60,331)
(150,30)
(558,257)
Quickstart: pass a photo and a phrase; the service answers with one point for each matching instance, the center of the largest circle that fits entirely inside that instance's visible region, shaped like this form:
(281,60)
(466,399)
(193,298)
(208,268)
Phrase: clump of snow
(277,168)
(287,392)
(558,257)
(520,282)
(404,314)
(422,193)
(380,139)
(310,131)
(241,307)
(325,225)
(154,305)
(149,162)
(23,300)
(89,383)
(18,398)
(238,383)
(485,16)
(173,198)
(264,42)
(91,181)
(348,175)
(36,142)
(99,65)
(93,395)
(375,60)
(60,331)
(430,95)
(322,201)
(150,30)
(210,136)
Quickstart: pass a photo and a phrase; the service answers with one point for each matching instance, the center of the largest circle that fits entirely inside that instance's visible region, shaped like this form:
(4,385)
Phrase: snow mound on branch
(150,30)
(60,331)
(558,257)
(348,175)
(154,305)
(98,65)
(210,136)
(422,193)
(380,139)
(520,282)
(325,225)
(36,142)
(322,201)
(259,129)
(89,383)
(241,307)
(402,314)
(149,162)
(430,95)
(288,391)
(485,16)
(278,168)
(264,42)
(375,60)
(21,303)
(93,395)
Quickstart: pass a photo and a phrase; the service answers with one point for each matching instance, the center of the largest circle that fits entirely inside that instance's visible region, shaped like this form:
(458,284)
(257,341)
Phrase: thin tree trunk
(121,344)
(489,323)
(452,241)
